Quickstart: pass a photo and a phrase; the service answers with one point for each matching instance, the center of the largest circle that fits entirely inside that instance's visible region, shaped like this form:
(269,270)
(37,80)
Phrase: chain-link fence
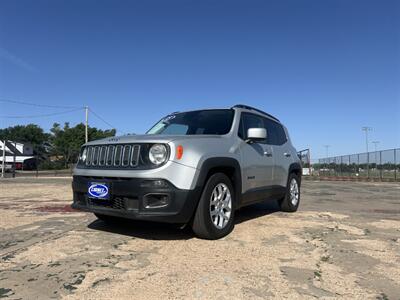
(382,165)
(305,158)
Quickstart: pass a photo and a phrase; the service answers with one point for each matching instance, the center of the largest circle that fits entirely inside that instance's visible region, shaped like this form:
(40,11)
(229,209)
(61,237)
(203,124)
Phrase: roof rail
(255,109)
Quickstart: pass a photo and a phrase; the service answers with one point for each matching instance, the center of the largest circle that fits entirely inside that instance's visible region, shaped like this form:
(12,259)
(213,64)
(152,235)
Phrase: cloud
(4,54)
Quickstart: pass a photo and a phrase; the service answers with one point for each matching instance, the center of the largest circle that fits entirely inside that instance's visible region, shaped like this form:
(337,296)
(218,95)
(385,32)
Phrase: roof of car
(242,106)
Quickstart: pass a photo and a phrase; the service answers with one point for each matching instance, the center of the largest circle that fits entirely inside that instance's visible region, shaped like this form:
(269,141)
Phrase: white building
(22,152)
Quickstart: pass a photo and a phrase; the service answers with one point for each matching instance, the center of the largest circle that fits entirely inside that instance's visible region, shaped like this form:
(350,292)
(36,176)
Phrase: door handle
(287,154)
(268,154)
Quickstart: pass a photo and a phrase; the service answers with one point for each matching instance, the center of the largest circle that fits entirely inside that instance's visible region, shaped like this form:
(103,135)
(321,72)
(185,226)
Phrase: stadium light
(366,129)
(327,152)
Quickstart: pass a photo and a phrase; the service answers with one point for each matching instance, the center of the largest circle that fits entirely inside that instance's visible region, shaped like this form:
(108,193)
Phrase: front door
(257,160)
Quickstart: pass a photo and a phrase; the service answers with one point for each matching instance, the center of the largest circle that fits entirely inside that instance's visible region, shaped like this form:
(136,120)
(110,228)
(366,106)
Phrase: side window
(247,121)
(281,134)
(271,131)
(241,129)
(275,133)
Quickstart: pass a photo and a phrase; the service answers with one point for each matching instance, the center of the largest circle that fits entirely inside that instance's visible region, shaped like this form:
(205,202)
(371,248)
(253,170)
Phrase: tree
(67,141)
(31,134)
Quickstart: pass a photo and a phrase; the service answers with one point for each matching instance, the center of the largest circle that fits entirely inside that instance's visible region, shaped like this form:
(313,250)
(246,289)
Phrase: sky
(324,68)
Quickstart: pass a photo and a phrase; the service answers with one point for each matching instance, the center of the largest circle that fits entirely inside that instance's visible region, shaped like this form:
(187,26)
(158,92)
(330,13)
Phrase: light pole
(327,155)
(376,145)
(376,155)
(376,150)
(327,151)
(366,129)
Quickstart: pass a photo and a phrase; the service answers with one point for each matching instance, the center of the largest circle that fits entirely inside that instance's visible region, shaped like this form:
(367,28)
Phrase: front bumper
(130,198)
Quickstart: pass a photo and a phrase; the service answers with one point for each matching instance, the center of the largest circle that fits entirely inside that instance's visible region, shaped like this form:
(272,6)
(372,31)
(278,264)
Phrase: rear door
(257,158)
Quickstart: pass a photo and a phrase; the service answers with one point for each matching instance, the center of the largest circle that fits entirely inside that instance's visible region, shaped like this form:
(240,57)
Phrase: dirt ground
(343,243)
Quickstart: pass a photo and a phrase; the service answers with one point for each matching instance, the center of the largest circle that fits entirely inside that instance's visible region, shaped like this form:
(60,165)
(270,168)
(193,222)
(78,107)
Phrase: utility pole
(14,158)
(3,166)
(86,123)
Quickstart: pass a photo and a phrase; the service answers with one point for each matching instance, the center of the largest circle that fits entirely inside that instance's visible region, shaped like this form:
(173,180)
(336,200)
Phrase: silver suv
(195,167)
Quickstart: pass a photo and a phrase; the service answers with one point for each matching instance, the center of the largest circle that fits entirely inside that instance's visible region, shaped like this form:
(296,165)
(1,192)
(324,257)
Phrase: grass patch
(382,296)
(325,258)
(317,274)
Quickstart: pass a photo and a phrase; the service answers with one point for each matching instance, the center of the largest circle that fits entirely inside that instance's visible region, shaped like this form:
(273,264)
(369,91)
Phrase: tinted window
(249,121)
(272,137)
(281,134)
(275,133)
(217,121)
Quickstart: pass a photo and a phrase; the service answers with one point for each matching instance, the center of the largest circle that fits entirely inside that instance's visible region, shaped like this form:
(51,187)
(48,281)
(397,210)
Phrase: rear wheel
(214,217)
(291,201)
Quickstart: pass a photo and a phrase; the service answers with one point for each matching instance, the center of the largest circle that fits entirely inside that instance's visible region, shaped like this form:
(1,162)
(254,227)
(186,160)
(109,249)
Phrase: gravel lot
(344,242)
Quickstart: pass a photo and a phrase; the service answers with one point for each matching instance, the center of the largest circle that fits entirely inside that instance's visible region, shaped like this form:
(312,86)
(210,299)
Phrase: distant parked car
(7,167)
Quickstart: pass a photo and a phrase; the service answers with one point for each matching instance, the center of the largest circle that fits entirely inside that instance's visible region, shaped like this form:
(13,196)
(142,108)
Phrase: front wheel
(214,217)
(291,201)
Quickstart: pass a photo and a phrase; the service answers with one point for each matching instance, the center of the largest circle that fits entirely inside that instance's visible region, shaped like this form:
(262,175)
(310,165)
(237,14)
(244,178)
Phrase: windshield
(216,121)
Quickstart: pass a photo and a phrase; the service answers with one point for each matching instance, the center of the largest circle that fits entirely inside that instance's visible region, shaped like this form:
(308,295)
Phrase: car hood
(148,138)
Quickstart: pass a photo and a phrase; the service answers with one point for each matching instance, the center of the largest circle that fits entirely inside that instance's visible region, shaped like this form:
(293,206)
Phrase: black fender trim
(296,167)
(222,162)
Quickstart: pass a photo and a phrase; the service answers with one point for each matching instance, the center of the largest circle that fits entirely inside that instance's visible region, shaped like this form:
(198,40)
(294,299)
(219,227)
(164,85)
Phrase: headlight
(158,154)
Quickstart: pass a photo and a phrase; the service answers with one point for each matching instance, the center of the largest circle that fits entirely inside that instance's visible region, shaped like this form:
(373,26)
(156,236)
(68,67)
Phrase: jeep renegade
(195,167)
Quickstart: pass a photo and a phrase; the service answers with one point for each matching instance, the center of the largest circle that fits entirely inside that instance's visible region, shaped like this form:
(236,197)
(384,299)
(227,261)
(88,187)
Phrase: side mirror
(256,134)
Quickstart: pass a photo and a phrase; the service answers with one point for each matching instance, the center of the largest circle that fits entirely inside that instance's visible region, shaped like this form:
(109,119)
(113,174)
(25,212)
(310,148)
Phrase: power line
(74,108)
(42,115)
(37,105)
(101,119)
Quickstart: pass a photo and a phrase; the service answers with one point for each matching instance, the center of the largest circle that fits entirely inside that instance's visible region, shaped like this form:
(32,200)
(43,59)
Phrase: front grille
(120,156)
(115,203)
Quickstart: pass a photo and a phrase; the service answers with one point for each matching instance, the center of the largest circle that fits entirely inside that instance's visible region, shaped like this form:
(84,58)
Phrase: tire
(107,219)
(290,202)
(211,203)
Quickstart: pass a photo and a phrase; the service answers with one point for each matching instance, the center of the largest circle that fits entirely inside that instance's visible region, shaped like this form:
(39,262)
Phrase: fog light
(155,200)
(154,183)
